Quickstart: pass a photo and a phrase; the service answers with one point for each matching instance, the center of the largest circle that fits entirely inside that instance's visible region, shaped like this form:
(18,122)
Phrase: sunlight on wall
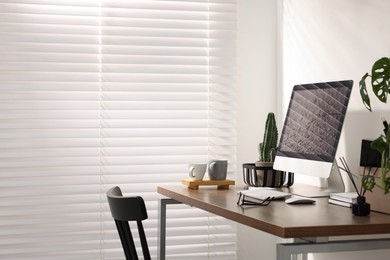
(337,40)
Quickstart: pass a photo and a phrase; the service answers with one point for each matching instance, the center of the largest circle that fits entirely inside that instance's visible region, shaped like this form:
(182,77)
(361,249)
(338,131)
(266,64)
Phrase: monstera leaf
(380,76)
(363,92)
(368,182)
(382,145)
(380,81)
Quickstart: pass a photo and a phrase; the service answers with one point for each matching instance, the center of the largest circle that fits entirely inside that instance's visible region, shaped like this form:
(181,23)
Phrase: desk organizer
(259,176)
(221,184)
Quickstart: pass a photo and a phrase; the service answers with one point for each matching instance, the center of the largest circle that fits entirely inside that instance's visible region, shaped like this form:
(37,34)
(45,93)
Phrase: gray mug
(218,169)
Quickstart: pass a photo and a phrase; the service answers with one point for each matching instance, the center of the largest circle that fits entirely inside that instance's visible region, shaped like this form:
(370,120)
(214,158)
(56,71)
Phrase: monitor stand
(332,184)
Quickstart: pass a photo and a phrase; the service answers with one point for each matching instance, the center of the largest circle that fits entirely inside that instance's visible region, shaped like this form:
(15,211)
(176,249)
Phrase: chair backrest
(125,209)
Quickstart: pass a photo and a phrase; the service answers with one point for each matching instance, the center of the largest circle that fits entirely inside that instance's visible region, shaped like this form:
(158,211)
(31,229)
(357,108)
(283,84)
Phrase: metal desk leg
(283,253)
(162,225)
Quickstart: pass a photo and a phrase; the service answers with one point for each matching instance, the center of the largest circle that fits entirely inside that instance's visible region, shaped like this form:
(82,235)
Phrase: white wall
(335,40)
(256,73)
(256,97)
(322,40)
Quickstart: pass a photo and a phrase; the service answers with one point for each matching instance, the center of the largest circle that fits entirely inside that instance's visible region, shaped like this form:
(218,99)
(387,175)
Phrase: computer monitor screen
(312,128)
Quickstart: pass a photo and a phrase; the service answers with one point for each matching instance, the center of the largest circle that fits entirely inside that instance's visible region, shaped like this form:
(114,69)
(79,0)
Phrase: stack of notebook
(345,199)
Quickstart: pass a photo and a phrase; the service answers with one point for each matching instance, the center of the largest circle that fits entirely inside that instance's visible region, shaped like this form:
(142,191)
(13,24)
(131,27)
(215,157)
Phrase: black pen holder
(361,208)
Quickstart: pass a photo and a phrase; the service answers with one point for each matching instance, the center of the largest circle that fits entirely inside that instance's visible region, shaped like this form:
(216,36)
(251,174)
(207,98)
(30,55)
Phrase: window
(104,93)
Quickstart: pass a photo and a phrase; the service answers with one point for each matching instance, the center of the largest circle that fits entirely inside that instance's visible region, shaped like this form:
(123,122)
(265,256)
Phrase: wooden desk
(313,223)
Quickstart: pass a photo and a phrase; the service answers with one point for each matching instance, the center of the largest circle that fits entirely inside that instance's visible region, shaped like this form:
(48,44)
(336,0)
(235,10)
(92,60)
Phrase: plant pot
(267,176)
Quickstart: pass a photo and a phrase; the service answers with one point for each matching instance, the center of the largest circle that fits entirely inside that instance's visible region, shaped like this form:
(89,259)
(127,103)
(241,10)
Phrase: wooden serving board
(221,184)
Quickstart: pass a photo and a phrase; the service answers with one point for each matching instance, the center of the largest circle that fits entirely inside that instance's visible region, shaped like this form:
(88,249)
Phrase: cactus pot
(267,176)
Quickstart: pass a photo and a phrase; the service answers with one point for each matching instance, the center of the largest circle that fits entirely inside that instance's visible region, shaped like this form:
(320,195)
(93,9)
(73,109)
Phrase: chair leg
(126,240)
(144,243)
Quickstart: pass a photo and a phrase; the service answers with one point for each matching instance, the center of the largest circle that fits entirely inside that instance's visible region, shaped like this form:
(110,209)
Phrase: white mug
(196,171)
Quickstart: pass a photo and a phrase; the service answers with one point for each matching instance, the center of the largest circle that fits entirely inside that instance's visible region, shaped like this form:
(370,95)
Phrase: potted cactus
(266,175)
(262,173)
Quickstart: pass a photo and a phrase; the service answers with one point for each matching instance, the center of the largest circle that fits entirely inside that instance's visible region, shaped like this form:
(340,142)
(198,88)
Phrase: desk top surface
(278,218)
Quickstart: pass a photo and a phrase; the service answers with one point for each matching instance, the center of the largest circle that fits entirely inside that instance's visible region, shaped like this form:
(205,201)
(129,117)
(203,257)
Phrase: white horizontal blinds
(157,70)
(49,130)
(103,93)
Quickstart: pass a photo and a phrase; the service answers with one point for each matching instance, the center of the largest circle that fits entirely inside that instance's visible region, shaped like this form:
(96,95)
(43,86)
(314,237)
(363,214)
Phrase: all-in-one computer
(312,130)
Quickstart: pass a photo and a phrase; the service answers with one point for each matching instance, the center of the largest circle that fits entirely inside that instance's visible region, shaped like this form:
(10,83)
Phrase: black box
(368,156)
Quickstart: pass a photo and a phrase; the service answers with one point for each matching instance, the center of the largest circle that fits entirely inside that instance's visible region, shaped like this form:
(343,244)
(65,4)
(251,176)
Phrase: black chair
(123,210)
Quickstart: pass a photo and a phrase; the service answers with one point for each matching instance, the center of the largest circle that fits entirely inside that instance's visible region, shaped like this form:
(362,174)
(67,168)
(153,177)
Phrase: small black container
(361,208)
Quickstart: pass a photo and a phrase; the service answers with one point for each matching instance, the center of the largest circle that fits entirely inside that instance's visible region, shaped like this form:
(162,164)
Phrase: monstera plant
(380,82)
